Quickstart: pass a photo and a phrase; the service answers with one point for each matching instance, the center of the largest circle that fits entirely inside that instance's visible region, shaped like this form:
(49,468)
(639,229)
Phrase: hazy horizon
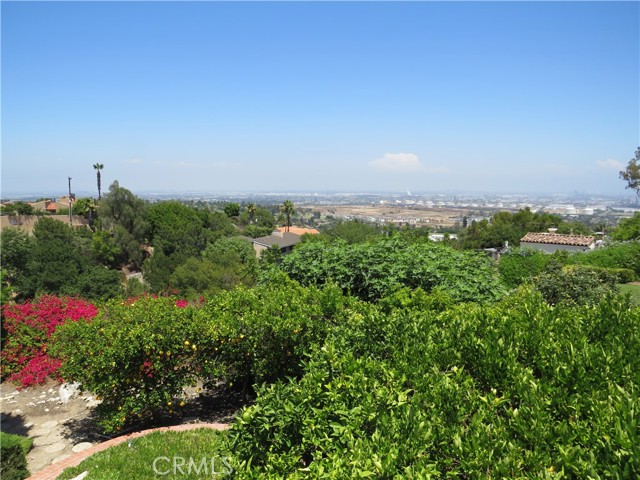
(495,97)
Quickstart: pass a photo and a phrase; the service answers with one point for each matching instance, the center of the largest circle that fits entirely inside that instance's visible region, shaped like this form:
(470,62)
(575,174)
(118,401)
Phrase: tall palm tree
(98,167)
(251,210)
(288,210)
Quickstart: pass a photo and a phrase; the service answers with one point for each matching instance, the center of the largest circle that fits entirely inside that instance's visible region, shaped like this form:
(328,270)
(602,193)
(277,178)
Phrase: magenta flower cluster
(29,327)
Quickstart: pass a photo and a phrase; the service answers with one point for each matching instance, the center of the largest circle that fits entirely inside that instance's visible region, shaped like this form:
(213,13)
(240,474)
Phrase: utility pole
(70,206)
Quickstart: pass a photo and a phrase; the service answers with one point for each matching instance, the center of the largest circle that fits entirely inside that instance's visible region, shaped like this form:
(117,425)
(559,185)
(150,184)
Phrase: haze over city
(329,96)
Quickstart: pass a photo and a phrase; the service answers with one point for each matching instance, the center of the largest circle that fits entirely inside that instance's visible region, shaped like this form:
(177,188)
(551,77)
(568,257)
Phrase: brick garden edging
(52,471)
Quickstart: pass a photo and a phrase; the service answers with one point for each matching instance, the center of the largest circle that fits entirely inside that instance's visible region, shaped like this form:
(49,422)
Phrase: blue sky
(282,96)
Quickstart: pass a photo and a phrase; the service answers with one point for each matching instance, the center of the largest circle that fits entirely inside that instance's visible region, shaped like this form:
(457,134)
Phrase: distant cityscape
(565,203)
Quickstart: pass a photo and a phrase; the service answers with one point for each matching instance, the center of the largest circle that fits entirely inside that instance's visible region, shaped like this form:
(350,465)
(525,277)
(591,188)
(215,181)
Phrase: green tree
(18,208)
(354,231)
(288,209)
(176,227)
(122,214)
(628,229)
(15,246)
(251,210)
(631,174)
(232,209)
(98,167)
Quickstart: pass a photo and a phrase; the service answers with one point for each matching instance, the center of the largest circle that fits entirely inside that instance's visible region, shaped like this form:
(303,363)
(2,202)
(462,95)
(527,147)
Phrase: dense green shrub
(574,286)
(617,255)
(610,276)
(13,456)
(373,270)
(139,355)
(519,389)
(521,265)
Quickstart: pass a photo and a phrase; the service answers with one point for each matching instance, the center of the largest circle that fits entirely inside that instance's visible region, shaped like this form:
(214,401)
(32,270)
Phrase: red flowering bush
(29,327)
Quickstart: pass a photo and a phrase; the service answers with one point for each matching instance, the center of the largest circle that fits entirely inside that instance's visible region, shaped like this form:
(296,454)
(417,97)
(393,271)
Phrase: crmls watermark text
(177,465)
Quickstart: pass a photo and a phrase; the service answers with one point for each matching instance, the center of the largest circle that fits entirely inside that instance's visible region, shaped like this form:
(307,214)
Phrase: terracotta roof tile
(558,239)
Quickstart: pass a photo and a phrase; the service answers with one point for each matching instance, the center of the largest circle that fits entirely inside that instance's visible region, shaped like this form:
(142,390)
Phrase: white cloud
(609,164)
(397,162)
(135,161)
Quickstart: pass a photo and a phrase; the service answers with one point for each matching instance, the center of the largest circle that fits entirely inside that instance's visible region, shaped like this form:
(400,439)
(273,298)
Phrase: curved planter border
(51,472)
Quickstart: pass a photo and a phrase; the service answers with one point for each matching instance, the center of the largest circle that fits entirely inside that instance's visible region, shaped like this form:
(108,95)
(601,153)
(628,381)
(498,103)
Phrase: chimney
(553,230)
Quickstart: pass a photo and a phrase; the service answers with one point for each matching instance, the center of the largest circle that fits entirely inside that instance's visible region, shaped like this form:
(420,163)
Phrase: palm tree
(251,210)
(288,210)
(98,167)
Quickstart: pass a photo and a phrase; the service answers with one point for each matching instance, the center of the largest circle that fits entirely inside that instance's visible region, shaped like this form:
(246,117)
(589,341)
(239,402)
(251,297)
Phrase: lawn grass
(633,290)
(186,455)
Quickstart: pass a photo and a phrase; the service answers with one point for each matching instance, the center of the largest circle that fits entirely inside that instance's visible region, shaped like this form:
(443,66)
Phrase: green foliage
(84,206)
(522,265)
(617,255)
(511,227)
(15,246)
(633,291)
(13,456)
(232,209)
(354,231)
(631,174)
(610,276)
(515,390)
(140,354)
(97,283)
(122,214)
(17,208)
(60,260)
(218,224)
(158,269)
(287,209)
(106,249)
(373,270)
(176,228)
(135,287)
(628,229)
(120,206)
(574,286)
(239,248)
(271,256)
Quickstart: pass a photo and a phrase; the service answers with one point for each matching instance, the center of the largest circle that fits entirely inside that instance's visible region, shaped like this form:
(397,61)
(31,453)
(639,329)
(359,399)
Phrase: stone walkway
(52,471)
(41,414)
(61,423)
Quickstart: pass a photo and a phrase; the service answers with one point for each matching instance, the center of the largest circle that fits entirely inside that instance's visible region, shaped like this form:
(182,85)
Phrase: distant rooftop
(558,239)
(299,230)
(282,239)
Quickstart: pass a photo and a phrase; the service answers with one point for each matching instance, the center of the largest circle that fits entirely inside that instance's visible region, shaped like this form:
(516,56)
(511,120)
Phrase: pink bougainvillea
(181,303)
(29,327)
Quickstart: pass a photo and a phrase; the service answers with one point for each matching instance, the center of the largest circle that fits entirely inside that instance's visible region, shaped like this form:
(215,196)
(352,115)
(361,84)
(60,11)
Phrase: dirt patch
(60,428)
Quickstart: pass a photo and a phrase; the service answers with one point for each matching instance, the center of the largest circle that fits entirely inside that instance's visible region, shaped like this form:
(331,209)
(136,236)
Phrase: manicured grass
(191,454)
(633,290)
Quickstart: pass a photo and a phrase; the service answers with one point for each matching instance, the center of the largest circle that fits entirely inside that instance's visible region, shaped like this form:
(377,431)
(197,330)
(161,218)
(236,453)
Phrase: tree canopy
(631,174)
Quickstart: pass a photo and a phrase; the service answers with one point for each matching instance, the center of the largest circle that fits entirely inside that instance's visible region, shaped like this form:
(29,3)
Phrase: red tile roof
(558,239)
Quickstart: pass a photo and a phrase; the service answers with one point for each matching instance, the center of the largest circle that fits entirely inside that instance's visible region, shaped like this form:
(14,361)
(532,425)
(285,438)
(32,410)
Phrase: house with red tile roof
(550,242)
